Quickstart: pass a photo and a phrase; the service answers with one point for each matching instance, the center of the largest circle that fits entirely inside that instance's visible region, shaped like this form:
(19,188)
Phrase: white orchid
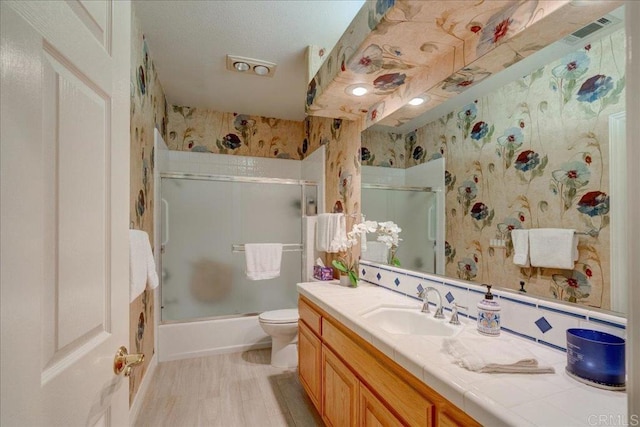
(388,234)
(358,229)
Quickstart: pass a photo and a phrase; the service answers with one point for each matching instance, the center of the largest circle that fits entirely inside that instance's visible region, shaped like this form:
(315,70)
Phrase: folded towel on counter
(491,355)
(263,260)
(142,266)
(553,248)
(331,233)
(520,239)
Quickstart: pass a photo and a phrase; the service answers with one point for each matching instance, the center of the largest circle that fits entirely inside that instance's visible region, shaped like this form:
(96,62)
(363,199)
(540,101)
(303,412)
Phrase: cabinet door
(450,416)
(373,413)
(340,386)
(310,364)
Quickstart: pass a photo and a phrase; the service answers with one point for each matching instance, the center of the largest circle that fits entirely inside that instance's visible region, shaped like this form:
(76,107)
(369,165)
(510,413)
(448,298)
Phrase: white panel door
(64,211)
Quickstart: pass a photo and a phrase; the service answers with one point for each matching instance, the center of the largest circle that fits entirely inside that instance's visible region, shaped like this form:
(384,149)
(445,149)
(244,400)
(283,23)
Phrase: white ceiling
(189,41)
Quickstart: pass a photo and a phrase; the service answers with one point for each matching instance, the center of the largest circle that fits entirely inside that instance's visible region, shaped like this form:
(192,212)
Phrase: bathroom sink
(410,321)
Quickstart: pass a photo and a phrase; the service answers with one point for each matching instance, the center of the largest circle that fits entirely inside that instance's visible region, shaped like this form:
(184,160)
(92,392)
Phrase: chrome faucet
(454,313)
(425,301)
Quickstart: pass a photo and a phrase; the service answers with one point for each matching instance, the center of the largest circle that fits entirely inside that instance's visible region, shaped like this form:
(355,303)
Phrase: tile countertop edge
(487,411)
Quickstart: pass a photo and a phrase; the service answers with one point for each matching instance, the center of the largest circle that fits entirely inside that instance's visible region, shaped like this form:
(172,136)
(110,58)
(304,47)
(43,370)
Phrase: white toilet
(282,326)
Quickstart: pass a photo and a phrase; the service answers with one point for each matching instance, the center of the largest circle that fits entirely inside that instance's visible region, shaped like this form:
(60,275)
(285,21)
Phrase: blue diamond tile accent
(543,324)
(449,297)
(378,276)
(397,281)
(364,272)
(420,288)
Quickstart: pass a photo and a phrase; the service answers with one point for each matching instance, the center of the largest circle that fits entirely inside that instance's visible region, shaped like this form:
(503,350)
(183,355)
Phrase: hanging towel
(520,239)
(491,355)
(363,236)
(142,267)
(553,248)
(331,233)
(263,260)
(339,241)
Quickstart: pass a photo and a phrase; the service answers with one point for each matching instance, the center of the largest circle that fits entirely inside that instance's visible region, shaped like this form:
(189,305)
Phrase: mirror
(413,199)
(520,152)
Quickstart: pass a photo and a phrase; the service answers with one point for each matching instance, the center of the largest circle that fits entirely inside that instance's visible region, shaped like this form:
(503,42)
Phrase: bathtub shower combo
(208,305)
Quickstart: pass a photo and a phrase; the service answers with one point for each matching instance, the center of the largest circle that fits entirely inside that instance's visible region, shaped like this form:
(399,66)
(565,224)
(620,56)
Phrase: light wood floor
(239,389)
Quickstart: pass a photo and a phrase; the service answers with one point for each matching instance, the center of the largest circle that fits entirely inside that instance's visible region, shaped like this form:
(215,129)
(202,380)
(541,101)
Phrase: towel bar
(286,247)
(591,233)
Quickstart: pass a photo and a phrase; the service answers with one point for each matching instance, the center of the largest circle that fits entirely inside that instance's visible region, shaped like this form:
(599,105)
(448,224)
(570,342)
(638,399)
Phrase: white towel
(520,239)
(263,260)
(492,355)
(363,237)
(339,241)
(331,233)
(142,267)
(553,248)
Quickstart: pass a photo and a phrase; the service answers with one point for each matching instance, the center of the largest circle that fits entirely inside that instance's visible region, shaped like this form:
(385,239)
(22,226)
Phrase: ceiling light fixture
(261,70)
(359,90)
(241,66)
(257,67)
(416,101)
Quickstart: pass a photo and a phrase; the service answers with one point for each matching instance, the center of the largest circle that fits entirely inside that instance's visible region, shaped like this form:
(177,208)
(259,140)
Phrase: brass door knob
(125,361)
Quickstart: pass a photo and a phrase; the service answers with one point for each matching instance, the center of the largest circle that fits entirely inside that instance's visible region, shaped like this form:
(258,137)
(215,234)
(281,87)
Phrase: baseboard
(134,410)
(218,350)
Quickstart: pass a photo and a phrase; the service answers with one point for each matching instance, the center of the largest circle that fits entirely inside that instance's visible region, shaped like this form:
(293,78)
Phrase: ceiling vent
(590,28)
(256,67)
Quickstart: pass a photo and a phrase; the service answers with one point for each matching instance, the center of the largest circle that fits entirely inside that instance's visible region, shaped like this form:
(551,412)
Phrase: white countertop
(491,399)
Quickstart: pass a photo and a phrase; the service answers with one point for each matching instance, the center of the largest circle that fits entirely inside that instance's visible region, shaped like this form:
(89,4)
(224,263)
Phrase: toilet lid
(280,316)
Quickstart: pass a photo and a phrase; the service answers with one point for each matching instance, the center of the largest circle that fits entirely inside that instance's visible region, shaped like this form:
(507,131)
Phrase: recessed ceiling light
(359,90)
(416,101)
(261,70)
(241,66)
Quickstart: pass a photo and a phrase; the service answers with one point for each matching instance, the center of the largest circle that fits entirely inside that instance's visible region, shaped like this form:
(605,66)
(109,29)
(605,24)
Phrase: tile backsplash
(539,320)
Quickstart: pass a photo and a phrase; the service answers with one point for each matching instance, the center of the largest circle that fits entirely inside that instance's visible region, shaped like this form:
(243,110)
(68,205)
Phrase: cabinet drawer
(311,317)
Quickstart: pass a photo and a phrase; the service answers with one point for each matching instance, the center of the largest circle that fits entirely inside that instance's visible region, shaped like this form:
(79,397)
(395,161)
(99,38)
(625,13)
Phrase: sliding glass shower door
(202,219)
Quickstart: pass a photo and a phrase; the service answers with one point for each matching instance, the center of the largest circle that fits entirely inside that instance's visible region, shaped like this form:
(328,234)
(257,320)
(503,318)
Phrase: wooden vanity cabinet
(352,383)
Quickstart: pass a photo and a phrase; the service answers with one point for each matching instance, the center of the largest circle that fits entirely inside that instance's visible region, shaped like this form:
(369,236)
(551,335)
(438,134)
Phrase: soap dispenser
(489,315)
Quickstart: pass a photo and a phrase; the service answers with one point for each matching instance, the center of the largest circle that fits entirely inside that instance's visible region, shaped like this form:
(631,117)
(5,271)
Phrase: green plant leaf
(353,278)
(339,265)
(395,262)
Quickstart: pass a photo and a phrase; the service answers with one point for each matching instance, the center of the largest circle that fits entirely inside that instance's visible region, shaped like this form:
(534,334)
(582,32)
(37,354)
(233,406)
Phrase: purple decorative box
(322,273)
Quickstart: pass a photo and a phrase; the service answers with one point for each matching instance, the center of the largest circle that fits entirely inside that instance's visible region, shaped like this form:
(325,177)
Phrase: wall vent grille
(591,28)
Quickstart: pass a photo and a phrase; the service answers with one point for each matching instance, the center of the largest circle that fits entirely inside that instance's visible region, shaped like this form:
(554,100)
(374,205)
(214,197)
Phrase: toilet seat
(289,315)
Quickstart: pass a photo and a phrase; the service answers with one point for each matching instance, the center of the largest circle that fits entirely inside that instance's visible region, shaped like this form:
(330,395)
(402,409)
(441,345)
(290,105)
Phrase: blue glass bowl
(596,357)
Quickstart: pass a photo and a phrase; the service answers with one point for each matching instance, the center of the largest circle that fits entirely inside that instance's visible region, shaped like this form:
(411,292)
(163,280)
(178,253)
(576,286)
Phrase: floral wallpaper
(342,167)
(381,148)
(148,110)
(401,49)
(208,131)
(533,154)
